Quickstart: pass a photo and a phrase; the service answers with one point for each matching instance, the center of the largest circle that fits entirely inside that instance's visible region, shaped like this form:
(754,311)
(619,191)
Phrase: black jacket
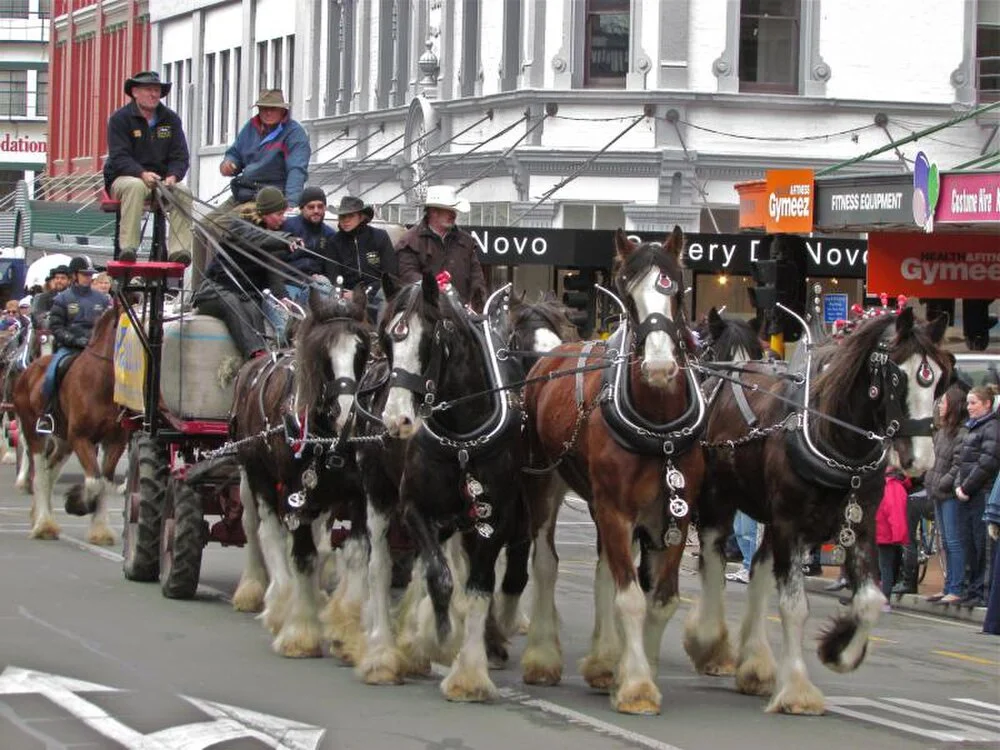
(40,307)
(936,481)
(74,313)
(976,458)
(362,255)
(317,238)
(133,148)
(241,274)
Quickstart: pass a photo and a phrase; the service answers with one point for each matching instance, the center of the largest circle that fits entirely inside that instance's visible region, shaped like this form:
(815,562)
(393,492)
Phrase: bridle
(424,384)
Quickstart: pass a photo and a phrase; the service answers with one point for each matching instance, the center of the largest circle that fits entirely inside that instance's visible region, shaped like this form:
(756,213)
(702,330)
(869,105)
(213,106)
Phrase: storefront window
(607,30)
(769,46)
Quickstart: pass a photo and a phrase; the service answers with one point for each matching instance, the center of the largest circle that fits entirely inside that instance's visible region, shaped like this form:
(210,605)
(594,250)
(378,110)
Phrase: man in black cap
(317,239)
(147,150)
(42,303)
(361,253)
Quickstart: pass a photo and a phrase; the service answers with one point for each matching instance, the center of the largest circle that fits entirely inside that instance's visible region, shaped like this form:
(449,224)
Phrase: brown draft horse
(87,417)
(582,422)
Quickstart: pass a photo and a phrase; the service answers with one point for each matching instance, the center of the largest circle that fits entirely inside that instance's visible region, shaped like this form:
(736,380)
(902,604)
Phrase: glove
(994,531)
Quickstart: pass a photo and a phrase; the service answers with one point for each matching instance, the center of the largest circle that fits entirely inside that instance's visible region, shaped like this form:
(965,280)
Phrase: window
(593,216)
(44,8)
(987,56)
(277,60)
(769,46)
(13,93)
(261,66)
(237,80)
(13,8)
(607,34)
(224,96)
(210,99)
(42,94)
(177,90)
(470,48)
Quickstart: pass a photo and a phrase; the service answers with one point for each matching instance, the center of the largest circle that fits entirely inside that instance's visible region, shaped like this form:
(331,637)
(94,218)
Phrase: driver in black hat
(147,150)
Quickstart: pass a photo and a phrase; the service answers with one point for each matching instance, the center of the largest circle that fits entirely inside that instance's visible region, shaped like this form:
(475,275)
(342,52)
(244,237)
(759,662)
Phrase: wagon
(179,416)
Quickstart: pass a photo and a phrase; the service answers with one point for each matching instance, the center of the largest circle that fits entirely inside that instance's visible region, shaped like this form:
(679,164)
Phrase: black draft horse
(452,471)
(289,488)
(810,479)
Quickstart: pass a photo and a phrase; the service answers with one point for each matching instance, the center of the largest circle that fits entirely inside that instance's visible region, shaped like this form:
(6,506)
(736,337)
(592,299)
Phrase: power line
(489,168)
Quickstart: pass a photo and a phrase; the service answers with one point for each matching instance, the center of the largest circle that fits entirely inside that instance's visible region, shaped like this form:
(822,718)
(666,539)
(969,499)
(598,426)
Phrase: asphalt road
(89,660)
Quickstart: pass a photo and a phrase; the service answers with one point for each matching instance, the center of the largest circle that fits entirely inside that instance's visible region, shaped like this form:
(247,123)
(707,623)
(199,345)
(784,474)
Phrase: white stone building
(397,94)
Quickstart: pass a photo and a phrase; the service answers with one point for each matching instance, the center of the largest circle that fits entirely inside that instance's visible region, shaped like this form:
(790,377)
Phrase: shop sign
(963,266)
(789,201)
(834,308)
(753,204)
(969,198)
(885,200)
(705,253)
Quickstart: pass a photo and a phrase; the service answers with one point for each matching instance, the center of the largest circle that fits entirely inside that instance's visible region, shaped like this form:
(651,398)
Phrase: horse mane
(109,318)
(729,335)
(313,336)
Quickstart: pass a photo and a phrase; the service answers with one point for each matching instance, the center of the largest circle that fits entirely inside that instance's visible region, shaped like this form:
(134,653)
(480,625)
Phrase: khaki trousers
(133,194)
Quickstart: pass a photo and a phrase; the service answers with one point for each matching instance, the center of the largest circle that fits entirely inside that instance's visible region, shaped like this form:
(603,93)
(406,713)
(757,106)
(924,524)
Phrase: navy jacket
(279,158)
(976,458)
(318,238)
(362,255)
(74,312)
(134,147)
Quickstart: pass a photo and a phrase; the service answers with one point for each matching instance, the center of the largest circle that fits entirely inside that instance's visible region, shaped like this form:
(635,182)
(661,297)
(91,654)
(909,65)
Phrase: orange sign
(753,204)
(789,200)
(963,266)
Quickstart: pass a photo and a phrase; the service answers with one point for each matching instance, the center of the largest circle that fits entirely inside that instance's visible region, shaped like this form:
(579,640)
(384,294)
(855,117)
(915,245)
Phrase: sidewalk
(931,584)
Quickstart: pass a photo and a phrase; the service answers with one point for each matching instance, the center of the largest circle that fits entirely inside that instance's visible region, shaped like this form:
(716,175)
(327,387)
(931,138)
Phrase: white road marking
(924,713)
(573,716)
(981,704)
(228,722)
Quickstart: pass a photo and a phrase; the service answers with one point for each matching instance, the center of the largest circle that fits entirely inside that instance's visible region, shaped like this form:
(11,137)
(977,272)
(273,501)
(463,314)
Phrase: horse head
(332,346)
(648,276)
(887,375)
(538,327)
(728,339)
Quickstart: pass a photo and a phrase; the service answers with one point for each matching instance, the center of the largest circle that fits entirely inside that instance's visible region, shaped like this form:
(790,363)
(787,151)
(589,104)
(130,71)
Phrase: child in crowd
(891,531)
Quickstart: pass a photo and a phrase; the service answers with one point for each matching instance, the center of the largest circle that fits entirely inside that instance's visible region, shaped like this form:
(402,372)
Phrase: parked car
(979,368)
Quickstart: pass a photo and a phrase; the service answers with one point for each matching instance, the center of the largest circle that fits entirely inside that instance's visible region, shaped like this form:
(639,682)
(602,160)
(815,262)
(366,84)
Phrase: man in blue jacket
(317,238)
(74,312)
(147,151)
(271,149)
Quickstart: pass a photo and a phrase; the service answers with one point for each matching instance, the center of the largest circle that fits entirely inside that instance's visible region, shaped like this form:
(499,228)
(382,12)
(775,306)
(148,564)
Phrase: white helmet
(25,301)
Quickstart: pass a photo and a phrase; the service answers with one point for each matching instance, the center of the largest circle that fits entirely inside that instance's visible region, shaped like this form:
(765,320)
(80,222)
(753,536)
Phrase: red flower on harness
(443,280)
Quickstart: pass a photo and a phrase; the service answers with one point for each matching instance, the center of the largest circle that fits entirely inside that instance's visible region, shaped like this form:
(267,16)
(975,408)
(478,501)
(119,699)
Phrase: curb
(903,602)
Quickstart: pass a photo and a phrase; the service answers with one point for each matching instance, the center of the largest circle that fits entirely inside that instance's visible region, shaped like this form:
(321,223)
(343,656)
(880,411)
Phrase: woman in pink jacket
(891,529)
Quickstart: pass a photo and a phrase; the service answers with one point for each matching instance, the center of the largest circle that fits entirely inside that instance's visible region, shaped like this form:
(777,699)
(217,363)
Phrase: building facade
(24,91)
(583,114)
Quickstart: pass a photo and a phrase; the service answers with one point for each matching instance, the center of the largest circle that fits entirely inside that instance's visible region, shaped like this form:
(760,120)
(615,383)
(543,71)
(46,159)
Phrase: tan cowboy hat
(443,196)
(272,98)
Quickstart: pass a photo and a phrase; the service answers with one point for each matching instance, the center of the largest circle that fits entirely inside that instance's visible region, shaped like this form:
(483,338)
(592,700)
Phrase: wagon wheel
(144,490)
(182,541)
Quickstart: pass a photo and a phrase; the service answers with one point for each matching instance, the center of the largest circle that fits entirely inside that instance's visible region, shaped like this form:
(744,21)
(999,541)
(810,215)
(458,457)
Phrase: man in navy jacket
(147,151)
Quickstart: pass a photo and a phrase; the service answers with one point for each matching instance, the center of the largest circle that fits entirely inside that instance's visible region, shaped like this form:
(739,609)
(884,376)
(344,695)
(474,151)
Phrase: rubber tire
(147,466)
(179,580)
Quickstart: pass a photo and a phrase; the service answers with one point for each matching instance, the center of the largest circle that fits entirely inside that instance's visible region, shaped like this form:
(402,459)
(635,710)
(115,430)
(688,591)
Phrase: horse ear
(389,285)
(429,287)
(716,325)
(675,242)
(937,327)
(359,301)
(904,324)
(623,245)
(315,302)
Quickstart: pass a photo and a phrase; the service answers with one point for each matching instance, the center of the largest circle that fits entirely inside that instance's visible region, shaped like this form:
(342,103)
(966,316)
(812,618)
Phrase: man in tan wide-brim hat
(436,244)
(271,150)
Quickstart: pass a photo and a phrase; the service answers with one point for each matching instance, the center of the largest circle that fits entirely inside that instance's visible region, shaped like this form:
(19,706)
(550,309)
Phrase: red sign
(789,200)
(952,266)
(970,197)
(753,204)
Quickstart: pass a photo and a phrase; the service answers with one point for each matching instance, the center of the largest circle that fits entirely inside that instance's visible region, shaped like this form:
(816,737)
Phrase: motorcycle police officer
(71,320)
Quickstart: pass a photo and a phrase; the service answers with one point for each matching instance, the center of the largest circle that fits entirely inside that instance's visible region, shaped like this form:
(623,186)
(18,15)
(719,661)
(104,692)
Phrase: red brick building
(94,46)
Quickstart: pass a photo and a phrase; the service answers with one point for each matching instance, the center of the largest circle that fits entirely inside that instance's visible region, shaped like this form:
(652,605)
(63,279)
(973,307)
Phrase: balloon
(933,189)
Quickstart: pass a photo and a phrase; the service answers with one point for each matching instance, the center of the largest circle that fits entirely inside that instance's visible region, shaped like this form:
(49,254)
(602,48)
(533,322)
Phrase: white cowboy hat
(443,196)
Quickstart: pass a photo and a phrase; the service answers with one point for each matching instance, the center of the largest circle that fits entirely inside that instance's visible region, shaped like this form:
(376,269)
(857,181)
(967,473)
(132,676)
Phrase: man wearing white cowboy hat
(436,245)
(147,150)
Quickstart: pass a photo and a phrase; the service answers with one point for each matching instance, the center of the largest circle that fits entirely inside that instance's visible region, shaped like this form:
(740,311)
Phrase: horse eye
(400,331)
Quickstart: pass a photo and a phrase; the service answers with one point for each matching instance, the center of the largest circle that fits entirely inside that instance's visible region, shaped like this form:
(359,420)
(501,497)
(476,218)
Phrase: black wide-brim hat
(352,205)
(147,78)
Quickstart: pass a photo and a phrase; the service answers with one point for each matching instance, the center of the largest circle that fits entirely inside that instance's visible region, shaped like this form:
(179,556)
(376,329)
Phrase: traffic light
(781,278)
(579,296)
(764,296)
(976,323)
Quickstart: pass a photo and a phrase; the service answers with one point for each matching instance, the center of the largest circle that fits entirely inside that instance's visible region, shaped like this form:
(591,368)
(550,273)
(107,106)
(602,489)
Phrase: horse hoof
(799,697)
(46,532)
(249,597)
(755,677)
(383,666)
(640,698)
(101,537)
(598,673)
(541,666)
(468,687)
(298,642)
(720,669)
